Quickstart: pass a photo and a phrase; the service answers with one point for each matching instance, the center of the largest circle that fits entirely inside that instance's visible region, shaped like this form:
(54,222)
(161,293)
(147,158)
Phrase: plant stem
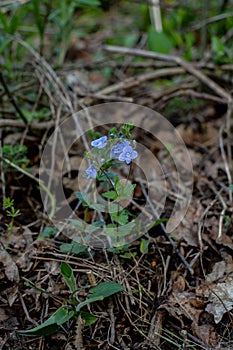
(109,180)
(12,99)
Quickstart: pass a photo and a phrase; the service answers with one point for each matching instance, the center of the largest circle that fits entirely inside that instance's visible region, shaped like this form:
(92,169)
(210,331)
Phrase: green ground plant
(108,154)
(58,17)
(16,154)
(72,307)
(12,213)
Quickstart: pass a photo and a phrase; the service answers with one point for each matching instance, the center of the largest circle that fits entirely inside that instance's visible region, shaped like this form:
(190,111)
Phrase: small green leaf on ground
(75,248)
(105,289)
(159,42)
(88,318)
(68,275)
(62,315)
(144,246)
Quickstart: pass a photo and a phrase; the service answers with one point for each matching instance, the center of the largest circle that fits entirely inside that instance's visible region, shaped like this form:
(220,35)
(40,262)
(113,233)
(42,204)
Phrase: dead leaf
(212,228)
(205,333)
(220,299)
(208,136)
(11,294)
(219,269)
(11,270)
(52,267)
(179,283)
(187,229)
(3,315)
(181,304)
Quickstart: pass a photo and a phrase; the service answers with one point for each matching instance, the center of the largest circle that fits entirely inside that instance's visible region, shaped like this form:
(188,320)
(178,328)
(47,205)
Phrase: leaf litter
(159,291)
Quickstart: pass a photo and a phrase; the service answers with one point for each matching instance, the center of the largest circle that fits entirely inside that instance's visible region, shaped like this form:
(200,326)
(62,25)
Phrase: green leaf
(75,248)
(120,249)
(144,246)
(156,223)
(48,232)
(61,316)
(88,301)
(77,224)
(89,3)
(217,45)
(159,42)
(231,187)
(113,208)
(128,255)
(120,218)
(87,201)
(40,330)
(88,318)
(124,191)
(84,198)
(105,289)
(113,231)
(94,226)
(126,229)
(87,228)
(97,206)
(68,275)
(110,195)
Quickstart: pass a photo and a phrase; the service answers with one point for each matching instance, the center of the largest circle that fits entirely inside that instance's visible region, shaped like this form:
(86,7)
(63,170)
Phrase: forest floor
(178,286)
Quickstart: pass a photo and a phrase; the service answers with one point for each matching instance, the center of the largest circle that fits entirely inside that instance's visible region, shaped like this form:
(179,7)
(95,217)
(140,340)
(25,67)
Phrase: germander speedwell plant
(110,192)
(108,156)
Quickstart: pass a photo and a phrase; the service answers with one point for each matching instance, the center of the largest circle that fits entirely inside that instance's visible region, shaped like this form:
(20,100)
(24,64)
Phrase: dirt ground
(178,291)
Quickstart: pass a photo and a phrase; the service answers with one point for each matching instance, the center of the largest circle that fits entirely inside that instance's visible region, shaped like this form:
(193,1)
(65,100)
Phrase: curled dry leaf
(206,333)
(3,315)
(180,304)
(220,270)
(187,229)
(11,272)
(220,299)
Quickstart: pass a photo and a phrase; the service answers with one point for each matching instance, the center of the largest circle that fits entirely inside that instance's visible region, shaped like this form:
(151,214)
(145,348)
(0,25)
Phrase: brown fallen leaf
(12,274)
(212,229)
(3,315)
(180,304)
(11,270)
(220,299)
(187,229)
(205,333)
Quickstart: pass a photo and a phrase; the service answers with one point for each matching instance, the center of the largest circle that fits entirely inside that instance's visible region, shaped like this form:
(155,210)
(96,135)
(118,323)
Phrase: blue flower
(91,172)
(128,154)
(99,143)
(118,149)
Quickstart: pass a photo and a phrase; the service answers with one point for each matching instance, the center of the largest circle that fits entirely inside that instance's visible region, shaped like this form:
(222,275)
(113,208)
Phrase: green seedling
(11,212)
(72,307)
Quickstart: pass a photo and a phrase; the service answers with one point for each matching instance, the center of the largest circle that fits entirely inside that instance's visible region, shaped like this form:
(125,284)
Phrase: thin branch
(3,180)
(18,124)
(210,20)
(137,80)
(190,93)
(12,99)
(224,158)
(179,61)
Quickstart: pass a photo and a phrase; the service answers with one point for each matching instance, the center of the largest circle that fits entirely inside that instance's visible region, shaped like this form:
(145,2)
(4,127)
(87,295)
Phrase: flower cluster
(122,151)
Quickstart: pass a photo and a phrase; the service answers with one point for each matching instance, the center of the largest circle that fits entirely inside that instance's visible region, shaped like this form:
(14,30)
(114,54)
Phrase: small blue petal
(99,143)
(91,172)
(128,154)
(118,148)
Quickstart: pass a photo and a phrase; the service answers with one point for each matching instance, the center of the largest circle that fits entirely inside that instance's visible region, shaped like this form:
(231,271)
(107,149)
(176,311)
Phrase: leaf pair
(67,312)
